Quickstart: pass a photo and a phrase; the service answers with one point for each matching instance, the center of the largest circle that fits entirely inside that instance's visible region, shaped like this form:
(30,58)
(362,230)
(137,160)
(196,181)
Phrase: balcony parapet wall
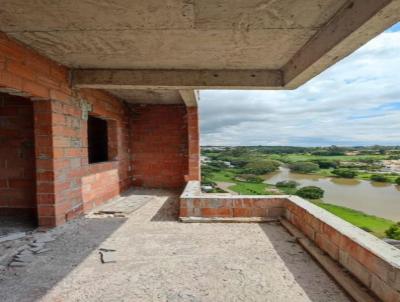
(370,260)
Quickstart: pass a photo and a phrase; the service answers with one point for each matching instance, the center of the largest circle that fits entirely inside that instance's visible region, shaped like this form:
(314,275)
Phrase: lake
(379,199)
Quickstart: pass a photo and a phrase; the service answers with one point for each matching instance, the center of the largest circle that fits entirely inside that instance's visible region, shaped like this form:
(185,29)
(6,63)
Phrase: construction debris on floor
(122,206)
(107,255)
(20,243)
(12,236)
(150,256)
(19,249)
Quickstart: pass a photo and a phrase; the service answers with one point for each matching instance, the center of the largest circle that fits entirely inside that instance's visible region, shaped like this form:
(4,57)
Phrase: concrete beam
(190,97)
(354,25)
(176,79)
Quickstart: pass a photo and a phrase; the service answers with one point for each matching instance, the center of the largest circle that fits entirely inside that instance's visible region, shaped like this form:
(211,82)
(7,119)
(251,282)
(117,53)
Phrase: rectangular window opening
(97,140)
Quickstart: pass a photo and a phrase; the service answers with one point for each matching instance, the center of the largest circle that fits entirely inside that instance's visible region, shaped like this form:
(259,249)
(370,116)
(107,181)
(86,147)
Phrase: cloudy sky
(355,102)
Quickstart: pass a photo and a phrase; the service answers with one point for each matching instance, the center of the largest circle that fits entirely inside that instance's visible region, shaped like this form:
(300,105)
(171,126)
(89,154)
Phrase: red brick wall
(62,170)
(68,185)
(102,181)
(154,138)
(17,157)
(159,142)
(232,206)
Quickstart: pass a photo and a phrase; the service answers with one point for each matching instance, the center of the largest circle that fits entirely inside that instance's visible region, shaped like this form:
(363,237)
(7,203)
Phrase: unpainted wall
(159,143)
(66,184)
(17,157)
(148,145)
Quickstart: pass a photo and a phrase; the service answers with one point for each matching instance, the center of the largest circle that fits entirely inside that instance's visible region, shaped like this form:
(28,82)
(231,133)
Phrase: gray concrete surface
(157,96)
(157,258)
(138,34)
(282,43)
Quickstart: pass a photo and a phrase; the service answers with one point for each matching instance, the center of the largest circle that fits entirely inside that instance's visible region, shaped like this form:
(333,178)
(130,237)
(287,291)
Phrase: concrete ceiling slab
(178,34)
(270,14)
(94,15)
(169,49)
(148,96)
(288,41)
(75,15)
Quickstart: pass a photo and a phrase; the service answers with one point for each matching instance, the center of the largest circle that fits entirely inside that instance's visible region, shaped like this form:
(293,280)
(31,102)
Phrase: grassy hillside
(373,224)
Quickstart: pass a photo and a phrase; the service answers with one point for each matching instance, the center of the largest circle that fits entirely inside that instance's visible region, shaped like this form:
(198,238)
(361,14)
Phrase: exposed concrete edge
(227,219)
(355,24)
(356,290)
(190,97)
(193,190)
(181,79)
(376,246)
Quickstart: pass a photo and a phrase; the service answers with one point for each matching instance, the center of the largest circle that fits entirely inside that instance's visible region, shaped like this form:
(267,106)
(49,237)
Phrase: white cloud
(355,102)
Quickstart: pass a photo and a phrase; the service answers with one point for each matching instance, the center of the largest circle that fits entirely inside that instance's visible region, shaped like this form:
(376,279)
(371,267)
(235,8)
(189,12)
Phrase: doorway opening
(18,205)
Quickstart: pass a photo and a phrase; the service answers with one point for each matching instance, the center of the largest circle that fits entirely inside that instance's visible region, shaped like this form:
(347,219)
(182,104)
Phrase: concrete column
(194,144)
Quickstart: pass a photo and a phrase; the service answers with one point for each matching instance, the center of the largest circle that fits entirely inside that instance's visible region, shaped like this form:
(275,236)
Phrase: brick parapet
(154,145)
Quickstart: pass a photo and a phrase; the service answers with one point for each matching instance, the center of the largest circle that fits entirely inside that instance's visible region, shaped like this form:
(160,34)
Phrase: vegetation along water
(359,184)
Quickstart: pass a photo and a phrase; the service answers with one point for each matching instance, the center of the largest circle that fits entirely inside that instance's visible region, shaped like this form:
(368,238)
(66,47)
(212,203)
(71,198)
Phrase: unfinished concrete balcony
(98,97)
(135,249)
(121,77)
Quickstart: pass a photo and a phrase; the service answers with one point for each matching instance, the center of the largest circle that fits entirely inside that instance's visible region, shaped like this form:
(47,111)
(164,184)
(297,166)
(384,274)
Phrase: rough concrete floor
(159,259)
(11,226)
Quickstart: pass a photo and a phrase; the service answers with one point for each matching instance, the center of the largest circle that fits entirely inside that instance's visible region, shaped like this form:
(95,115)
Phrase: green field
(375,225)
(245,188)
(223,175)
(309,157)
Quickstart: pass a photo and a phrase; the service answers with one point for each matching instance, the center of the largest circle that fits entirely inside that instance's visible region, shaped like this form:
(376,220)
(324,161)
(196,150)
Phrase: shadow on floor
(76,241)
(169,211)
(306,271)
(14,224)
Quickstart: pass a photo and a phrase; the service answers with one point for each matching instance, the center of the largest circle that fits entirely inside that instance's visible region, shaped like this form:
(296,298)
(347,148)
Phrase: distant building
(228,164)
(204,159)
